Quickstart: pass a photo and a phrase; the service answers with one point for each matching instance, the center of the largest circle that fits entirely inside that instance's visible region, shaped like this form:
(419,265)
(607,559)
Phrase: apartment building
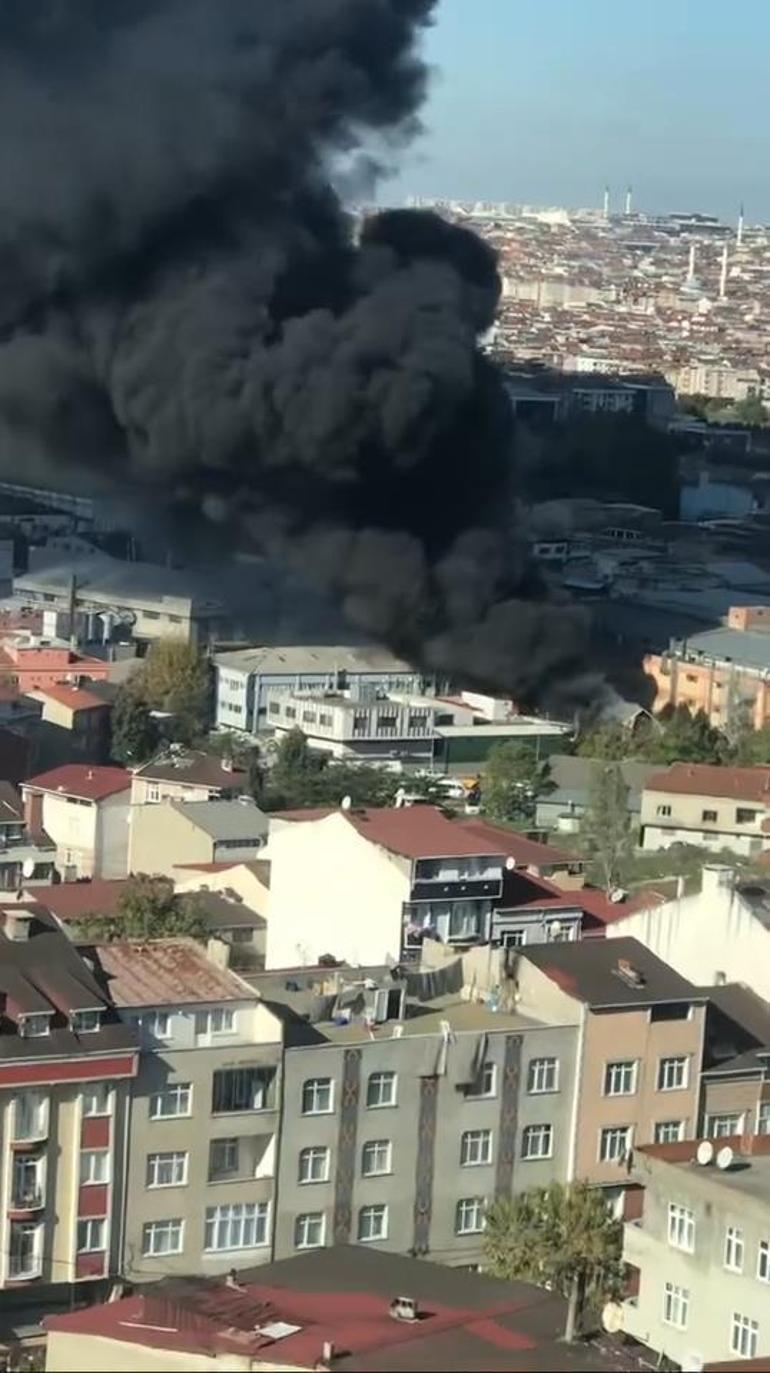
(74,724)
(712,807)
(25,857)
(32,666)
(178,832)
(205,1110)
(66,1064)
(643,1031)
(245,677)
(735,1100)
(701,1255)
(186,775)
(408,1109)
(724,671)
(358,724)
(85,811)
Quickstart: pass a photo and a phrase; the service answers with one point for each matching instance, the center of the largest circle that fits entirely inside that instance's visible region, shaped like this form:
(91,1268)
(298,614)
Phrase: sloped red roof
(166,972)
(707,779)
(73,900)
(76,698)
(78,779)
(419,832)
(517,846)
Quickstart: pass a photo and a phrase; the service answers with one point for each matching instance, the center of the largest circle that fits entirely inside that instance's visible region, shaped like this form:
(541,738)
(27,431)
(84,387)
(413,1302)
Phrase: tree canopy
(147,909)
(675,735)
(302,776)
(514,778)
(561,1236)
(135,734)
(605,828)
(176,677)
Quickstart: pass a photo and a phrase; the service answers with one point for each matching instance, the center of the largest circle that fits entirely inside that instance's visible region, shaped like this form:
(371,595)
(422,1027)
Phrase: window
(97,1100)
(763,1118)
(372,1223)
(91,1236)
(172,1101)
(744,1336)
(162,1237)
(310,1230)
(25,1249)
(34,1026)
(514,939)
(620,1078)
(543,1075)
(317,1096)
(218,1022)
(681,1228)
(745,816)
(672,1074)
(85,1022)
(376,1158)
(708,817)
(314,1164)
(662,810)
(95,1165)
(733,1259)
(763,1261)
(381,1089)
(723,1127)
(475,1147)
(485,1084)
(157,1024)
(166,1170)
(615,1143)
(676,1305)
(153,791)
(537,1141)
(239,1225)
(240,1089)
(31,1115)
(669,1131)
(469,1216)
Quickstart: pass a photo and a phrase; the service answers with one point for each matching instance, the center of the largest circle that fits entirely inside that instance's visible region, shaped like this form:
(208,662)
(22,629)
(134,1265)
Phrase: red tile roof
(78,779)
(73,900)
(707,779)
(419,832)
(310,813)
(526,852)
(76,698)
(166,972)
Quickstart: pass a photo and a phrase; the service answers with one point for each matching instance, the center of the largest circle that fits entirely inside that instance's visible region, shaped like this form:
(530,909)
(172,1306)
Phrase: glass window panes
(175,1100)
(86,1022)
(218,1022)
(376,1157)
(167,1169)
(240,1089)
(763,1118)
(615,1143)
(676,1305)
(475,1147)
(92,1235)
(309,1230)
(672,1074)
(224,1156)
(724,1126)
(314,1164)
(95,1165)
(543,1075)
(469,1216)
(97,1099)
(681,1227)
(162,1237)
(537,1141)
(733,1257)
(317,1096)
(372,1223)
(381,1089)
(763,1261)
(157,1024)
(620,1078)
(744,1336)
(237,1225)
(669,1131)
(486,1082)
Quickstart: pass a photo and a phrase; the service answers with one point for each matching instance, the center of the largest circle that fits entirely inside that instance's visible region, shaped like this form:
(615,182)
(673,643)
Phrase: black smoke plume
(185,307)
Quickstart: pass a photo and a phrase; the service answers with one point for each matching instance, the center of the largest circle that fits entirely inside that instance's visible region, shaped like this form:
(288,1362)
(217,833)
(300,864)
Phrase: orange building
(33,668)
(724,672)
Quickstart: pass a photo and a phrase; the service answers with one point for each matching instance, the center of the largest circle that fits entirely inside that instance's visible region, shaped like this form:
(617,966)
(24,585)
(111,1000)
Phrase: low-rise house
(205,1109)
(735,1100)
(26,858)
(713,807)
(186,775)
(564,869)
(30,667)
(700,1254)
(563,807)
(85,812)
(177,832)
(74,725)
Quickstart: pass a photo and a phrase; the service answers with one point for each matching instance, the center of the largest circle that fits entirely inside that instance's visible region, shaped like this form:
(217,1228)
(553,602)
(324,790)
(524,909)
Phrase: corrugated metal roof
(166,972)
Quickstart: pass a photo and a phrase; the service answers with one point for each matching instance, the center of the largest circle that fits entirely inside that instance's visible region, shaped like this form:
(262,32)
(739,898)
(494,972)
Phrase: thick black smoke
(183,303)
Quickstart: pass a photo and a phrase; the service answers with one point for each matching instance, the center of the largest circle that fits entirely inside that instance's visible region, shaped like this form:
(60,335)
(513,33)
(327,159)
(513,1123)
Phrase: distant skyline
(545,101)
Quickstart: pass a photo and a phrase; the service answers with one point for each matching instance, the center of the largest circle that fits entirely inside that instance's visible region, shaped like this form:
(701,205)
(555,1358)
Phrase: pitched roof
(525,852)
(89,783)
(419,832)
(166,972)
(707,779)
(591,971)
(225,819)
(193,768)
(76,698)
(73,900)
(11,809)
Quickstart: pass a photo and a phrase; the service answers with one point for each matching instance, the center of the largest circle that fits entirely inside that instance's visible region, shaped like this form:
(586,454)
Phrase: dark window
(240,1089)
(745,816)
(708,816)
(290,713)
(670,1010)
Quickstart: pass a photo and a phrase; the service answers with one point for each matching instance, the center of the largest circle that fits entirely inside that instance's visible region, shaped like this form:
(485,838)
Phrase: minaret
(723,274)
(606,202)
(739,235)
(628,200)
(691,265)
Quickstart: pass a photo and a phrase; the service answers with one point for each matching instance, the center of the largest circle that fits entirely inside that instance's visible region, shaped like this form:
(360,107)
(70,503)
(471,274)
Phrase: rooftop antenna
(606,202)
(691,265)
(723,274)
(739,235)
(628,199)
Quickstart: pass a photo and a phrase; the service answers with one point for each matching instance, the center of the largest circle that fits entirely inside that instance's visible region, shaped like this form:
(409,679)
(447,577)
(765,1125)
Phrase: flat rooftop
(311,658)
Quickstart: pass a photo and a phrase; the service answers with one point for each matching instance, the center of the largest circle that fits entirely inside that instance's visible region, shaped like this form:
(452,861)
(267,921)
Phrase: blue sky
(546,100)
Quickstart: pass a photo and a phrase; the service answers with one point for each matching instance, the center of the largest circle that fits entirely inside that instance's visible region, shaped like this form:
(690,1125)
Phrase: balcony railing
(27,1198)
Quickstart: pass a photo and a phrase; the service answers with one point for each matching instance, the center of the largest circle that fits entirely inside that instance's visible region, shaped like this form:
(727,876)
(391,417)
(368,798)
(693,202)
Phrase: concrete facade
(171,833)
(712,811)
(91,837)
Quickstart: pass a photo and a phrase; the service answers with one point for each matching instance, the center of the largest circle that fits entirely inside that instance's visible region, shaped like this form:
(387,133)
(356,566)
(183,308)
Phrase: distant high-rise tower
(691,265)
(723,274)
(739,235)
(628,200)
(606,202)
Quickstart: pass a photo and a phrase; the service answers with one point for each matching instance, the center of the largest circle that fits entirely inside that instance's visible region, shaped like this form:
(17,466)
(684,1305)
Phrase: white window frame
(744,1336)
(170,1158)
(311,1154)
(541,1134)
(725,1124)
(91,1161)
(229,1144)
(610,1131)
(153,1020)
(382,1079)
(467,1206)
(681,1227)
(383,1145)
(763,1261)
(173,1088)
(542,1076)
(174,1225)
(372,1210)
(476,1147)
(620,1077)
(152,793)
(89,1225)
(35,1026)
(89,1098)
(734,1249)
(312,1085)
(665,1064)
(763,1118)
(236,1219)
(211,1024)
(676,1306)
(301,1226)
(86,1022)
(669,1125)
(485,1086)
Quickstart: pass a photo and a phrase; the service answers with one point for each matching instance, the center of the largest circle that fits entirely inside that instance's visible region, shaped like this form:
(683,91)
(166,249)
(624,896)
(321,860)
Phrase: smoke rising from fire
(185,305)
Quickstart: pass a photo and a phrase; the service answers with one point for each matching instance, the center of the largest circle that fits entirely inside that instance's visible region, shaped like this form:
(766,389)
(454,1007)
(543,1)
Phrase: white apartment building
(85,811)
(359,724)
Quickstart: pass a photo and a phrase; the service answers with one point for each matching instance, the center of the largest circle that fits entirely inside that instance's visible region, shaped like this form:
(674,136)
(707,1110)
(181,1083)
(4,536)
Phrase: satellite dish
(346,803)
(510,864)
(612,1317)
(725,1157)
(28,867)
(705,1152)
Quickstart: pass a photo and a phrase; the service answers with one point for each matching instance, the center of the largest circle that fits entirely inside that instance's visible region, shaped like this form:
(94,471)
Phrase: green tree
(606,825)
(688,738)
(302,776)
(147,909)
(134,732)
(751,747)
(562,1237)
(514,778)
(613,743)
(176,677)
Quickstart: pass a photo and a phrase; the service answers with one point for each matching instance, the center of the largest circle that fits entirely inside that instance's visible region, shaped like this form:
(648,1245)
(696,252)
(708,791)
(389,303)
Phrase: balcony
(24,1203)
(242,1158)
(30,1119)
(236,1091)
